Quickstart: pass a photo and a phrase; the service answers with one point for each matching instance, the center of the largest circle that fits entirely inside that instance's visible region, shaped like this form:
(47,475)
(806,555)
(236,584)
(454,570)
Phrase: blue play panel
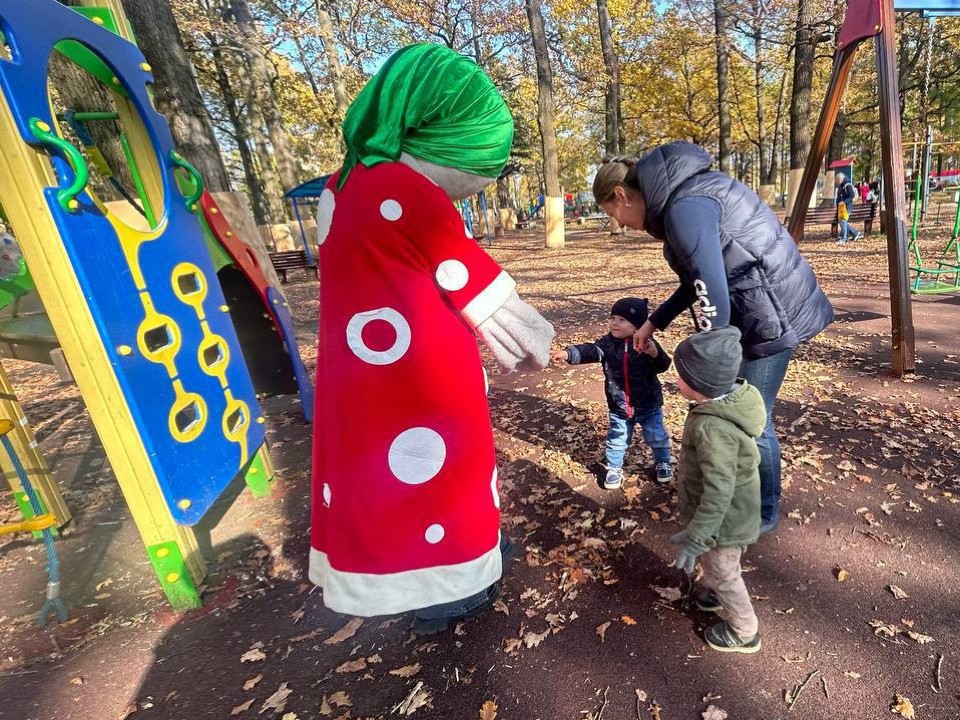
(154,296)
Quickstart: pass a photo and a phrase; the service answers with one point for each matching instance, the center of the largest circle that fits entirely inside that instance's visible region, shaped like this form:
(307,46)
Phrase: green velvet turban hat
(433,104)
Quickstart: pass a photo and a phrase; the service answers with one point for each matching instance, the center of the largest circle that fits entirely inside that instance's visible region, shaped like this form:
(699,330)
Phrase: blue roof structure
(309,189)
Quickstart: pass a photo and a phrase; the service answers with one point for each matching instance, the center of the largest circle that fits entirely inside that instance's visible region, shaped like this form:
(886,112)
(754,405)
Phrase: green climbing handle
(178,161)
(66,196)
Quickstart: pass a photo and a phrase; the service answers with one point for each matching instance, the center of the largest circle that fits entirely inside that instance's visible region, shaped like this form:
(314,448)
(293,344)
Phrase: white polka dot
(391,210)
(378,357)
(325,215)
(493,489)
(434,534)
(416,455)
(452,275)
(326,495)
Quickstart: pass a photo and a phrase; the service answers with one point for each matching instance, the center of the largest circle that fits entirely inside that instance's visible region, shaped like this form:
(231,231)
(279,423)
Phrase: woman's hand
(642,337)
(558,356)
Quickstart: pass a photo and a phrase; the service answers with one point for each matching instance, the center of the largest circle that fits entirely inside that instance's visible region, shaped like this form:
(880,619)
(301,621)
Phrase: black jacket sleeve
(584,353)
(661,362)
(693,232)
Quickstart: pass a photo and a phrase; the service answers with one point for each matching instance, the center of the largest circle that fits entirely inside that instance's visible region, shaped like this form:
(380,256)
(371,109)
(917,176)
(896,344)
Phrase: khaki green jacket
(719,477)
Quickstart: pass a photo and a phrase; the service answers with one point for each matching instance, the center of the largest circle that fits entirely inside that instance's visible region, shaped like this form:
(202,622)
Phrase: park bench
(289,260)
(827,215)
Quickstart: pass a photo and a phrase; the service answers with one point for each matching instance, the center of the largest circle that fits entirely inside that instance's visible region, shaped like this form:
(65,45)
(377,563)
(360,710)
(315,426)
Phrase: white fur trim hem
(367,594)
(489,300)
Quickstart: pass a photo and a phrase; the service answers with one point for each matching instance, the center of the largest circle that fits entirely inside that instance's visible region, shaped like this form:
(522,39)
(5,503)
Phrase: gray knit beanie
(709,362)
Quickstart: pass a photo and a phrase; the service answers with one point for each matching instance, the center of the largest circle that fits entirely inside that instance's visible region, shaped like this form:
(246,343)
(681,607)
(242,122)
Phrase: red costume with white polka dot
(405,503)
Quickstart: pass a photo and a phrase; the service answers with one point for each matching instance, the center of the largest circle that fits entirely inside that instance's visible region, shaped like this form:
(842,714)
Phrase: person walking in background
(844,202)
(737,266)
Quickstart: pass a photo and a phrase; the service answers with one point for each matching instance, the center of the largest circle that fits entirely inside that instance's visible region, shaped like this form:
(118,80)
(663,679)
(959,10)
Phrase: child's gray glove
(691,549)
(517,334)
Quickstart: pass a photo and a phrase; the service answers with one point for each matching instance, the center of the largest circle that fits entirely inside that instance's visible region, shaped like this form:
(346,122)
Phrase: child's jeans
(621,433)
(722,574)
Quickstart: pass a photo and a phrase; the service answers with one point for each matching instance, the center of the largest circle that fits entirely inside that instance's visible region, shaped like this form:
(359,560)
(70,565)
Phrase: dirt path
(860,583)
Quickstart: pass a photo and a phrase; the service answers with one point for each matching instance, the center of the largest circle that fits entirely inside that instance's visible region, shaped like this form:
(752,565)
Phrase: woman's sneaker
(722,637)
(614,479)
(664,472)
(707,601)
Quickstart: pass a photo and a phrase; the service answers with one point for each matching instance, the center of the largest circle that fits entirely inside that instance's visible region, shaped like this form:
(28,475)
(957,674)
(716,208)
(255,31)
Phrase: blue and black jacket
(631,386)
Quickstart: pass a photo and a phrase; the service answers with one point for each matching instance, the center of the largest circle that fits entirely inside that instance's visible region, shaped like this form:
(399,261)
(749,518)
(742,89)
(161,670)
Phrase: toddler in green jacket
(719,481)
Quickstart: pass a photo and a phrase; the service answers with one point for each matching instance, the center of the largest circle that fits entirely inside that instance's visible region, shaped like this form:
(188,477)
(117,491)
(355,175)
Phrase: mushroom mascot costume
(405,495)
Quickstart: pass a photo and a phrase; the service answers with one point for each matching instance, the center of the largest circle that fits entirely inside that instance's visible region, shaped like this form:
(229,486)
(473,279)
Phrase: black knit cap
(632,309)
(709,362)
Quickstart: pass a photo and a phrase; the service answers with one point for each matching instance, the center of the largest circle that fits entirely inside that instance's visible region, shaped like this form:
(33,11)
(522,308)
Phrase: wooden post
(891,143)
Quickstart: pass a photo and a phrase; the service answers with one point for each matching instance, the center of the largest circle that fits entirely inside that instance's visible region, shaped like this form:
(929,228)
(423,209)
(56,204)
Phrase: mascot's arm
(483,294)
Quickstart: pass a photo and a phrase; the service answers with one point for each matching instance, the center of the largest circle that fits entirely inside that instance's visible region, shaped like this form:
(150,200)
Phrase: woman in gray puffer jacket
(737,266)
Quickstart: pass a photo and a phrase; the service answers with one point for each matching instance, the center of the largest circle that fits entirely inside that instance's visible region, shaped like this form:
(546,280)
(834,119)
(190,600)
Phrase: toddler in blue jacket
(633,390)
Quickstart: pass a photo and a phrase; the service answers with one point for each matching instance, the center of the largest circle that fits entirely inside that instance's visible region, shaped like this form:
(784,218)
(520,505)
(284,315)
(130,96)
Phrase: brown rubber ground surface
(872,489)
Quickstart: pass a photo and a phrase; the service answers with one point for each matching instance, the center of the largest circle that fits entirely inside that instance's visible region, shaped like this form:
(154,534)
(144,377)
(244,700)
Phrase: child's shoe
(707,601)
(664,472)
(722,637)
(614,479)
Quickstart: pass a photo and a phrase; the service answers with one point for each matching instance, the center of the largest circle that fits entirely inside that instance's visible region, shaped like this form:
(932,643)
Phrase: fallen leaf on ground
(340,699)
(898,593)
(252,682)
(602,630)
(501,606)
(254,655)
(419,697)
(920,638)
(406,671)
(488,711)
(840,574)
(714,713)
(667,593)
(903,707)
(347,631)
(532,639)
(76,680)
(242,707)
(641,695)
(290,716)
(851,674)
(627,620)
(884,629)
(352,666)
(277,701)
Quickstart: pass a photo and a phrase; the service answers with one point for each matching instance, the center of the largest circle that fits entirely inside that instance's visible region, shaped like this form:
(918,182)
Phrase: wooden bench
(827,215)
(289,260)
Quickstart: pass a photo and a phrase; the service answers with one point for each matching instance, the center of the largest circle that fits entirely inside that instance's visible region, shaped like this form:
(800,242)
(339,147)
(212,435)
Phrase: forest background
(255,90)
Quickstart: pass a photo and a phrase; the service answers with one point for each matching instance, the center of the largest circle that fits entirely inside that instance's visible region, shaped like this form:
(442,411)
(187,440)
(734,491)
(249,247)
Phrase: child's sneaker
(614,479)
(722,637)
(707,601)
(664,472)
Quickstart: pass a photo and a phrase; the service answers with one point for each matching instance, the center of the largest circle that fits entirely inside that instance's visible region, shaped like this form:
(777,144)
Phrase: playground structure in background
(863,20)
(152,300)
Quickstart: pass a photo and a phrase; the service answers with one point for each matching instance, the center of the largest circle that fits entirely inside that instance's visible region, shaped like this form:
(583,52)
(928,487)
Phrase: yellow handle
(34,524)
(5,426)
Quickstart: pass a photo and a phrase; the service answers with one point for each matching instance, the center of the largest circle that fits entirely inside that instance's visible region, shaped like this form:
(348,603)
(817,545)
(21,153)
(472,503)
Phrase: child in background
(719,481)
(633,390)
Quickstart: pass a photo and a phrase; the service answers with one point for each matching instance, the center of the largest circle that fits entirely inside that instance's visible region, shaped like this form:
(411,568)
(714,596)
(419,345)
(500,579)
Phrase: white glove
(515,333)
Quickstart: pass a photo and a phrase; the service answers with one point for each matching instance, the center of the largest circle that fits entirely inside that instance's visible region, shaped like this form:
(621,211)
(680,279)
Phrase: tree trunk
(175,91)
(758,69)
(331,47)
(261,95)
(553,202)
(241,135)
(802,86)
(723,70)
(612,65)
